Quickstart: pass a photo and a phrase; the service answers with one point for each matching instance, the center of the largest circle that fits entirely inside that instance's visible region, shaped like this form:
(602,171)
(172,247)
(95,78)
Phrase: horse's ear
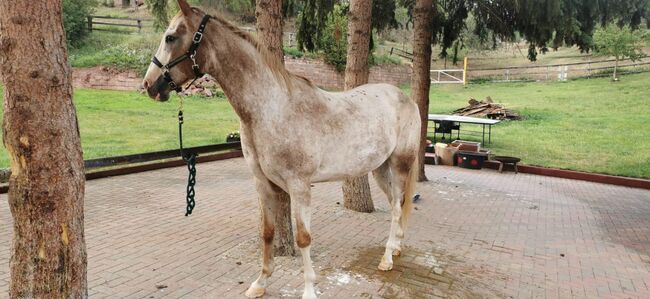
(185,7)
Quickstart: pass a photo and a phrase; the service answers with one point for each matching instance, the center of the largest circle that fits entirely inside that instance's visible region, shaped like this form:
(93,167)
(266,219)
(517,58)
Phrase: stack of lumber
(487,109)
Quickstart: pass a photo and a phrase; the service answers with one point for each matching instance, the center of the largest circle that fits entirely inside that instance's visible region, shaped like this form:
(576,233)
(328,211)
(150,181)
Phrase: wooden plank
(160,155)
(115,24)
(120,18)
(4,188)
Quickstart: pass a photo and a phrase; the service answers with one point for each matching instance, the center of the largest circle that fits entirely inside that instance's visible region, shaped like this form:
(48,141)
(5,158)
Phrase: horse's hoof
(397,252)
(309,295)
(385,266)
(254,292)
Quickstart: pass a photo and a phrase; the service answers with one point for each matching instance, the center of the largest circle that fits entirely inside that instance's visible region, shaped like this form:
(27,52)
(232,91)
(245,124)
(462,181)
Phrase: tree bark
(40,132)
(421,81)
(269,26)
(356,191)
(269,30)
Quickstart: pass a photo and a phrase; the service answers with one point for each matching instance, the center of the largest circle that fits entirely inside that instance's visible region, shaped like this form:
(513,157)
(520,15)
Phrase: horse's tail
(409,192)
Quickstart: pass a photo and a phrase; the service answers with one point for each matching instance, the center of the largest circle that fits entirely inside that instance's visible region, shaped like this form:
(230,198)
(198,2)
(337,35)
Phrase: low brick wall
(105,78)
(322,74)
(326,76)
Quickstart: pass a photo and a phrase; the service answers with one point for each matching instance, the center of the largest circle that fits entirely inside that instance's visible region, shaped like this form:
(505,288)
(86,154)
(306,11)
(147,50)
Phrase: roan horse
(293,133)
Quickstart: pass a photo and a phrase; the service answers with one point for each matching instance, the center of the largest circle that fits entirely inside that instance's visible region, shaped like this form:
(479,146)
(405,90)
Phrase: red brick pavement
(474,234)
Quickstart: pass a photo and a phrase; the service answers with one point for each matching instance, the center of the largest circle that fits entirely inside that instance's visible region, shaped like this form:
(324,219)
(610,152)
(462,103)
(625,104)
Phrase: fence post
(465,71)
(139,26)
(90,23)
(566,72)
(507,74)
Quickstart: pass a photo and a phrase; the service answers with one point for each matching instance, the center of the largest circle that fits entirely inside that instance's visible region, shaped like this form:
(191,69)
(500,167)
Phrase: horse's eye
(170,38)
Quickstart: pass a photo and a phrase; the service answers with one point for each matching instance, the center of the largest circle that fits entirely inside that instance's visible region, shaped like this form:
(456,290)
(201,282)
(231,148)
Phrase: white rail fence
(559,72)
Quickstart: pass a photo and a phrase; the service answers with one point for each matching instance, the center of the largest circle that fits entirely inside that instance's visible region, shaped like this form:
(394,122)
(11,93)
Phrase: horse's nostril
(145,84)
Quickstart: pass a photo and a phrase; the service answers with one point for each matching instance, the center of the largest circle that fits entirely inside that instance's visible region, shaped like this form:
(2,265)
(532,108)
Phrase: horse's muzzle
(159,90)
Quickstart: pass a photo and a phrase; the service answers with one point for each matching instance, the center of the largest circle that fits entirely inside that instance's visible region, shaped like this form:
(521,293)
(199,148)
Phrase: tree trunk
(356,191)
(40,132)
(126,3)
(269,25)
(269,30)
(421,82)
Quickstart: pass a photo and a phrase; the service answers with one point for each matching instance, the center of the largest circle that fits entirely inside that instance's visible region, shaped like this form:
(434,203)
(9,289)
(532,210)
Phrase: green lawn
(590,125)
(117,123)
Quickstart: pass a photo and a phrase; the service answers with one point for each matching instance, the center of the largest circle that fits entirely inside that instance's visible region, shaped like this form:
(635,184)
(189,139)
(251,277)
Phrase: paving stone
(493,235)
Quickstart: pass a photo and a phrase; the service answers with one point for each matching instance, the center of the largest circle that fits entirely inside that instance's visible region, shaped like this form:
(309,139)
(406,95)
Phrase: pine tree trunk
(269,25)
(356,191)
(421,82)
(269,30)
(40,131)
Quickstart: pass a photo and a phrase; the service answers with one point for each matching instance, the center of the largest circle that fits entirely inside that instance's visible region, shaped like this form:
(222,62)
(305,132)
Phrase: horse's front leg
(300,193)
(268,198)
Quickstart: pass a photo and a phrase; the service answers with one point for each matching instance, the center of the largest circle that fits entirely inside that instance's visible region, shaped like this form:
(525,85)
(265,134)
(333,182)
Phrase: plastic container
(470,160)
(445,154)
(469,146)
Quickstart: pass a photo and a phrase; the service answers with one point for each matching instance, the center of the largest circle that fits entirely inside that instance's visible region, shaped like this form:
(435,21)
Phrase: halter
(190,54)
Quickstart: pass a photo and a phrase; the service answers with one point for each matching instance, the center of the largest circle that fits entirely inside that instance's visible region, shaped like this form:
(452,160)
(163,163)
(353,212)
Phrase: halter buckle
(198,36)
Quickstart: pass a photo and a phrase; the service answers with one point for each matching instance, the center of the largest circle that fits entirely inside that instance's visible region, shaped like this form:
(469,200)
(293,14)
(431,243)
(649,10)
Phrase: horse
(294,134)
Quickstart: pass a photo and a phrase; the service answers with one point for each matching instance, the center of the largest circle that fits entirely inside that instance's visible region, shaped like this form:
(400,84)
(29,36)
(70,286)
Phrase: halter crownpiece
(190,54)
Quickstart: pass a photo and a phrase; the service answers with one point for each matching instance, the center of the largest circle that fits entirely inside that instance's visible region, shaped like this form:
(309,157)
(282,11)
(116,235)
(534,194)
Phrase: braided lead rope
(190,159)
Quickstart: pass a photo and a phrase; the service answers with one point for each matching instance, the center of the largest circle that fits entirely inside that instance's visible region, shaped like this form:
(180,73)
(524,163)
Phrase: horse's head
(172,65)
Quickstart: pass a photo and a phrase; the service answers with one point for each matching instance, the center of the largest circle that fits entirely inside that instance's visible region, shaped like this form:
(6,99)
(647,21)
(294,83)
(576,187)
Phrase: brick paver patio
(474,234)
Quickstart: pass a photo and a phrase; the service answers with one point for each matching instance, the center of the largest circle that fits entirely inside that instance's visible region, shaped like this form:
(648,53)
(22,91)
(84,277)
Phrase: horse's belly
(342,163)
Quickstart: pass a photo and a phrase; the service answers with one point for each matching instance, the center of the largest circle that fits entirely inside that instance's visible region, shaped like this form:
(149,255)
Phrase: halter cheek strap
(190,54)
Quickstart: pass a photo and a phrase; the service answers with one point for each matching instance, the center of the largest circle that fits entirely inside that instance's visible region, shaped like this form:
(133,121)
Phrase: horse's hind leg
(383,176)
(401,168)
(300,193)
(268,197)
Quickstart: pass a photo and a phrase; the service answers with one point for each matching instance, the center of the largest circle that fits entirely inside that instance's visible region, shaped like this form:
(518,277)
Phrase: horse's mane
(276,65)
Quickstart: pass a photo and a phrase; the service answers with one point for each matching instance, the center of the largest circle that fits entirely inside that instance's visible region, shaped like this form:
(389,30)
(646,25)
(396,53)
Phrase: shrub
(75,14)
(334,41)
(293,52)
(383,59)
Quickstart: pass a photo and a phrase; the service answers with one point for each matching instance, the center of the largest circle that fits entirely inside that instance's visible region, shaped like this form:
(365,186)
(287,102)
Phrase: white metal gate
(452,76)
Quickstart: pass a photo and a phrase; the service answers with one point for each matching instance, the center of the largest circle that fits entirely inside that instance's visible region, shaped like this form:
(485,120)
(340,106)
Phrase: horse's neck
(246,79)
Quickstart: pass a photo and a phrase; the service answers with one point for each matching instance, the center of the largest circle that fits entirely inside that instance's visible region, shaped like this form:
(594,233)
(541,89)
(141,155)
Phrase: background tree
(421,80)
(40,132)
(75,13)
(160,11)
(269,30)
(334,38)
(356,191)
(618,42)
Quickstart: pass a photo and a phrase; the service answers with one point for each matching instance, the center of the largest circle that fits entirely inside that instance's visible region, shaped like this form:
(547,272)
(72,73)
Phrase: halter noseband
(190,54)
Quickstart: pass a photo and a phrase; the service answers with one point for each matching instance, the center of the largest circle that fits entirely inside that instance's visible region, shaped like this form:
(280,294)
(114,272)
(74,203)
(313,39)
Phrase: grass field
(591,125)
(116,123)
(588,124)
